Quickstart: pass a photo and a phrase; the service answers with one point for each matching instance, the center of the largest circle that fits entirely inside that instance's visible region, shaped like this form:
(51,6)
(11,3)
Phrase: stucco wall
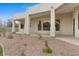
(34,25)
(66,24)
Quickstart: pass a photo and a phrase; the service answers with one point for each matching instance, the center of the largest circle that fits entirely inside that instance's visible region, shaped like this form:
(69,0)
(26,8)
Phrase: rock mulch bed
(32,46)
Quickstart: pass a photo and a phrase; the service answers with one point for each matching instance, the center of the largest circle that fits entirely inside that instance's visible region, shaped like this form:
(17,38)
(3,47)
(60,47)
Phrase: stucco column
(52,22)
(19,26)
(27,24)
(13,26)
(76,12)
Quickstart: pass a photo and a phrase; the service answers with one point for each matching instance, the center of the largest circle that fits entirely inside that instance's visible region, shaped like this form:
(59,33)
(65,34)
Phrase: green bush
(46,48)
(1,51)
(2,30)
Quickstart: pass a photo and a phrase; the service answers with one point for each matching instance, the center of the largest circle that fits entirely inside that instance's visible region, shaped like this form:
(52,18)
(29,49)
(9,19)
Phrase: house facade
(49,19)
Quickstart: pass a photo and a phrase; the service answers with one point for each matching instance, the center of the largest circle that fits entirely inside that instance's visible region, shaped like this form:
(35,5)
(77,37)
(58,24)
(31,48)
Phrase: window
(39,25)
(22,26)
(46,26)
(57,24)
(78,21)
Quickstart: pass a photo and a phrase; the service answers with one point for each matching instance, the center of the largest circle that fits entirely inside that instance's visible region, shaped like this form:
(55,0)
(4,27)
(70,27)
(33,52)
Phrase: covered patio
(18,25)
(54,22)
(63,22)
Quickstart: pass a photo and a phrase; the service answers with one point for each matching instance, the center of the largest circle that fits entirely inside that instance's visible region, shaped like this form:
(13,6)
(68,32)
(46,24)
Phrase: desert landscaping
(27,45)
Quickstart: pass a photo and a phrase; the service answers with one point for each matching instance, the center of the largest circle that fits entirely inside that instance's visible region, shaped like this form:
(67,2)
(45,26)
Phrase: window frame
(22,26)
(39,26)
(58,25)
(48,26)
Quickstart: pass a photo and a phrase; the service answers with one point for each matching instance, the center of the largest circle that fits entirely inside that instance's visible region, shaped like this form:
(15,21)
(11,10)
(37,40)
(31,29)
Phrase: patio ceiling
(66,7)
(46,13)
(19,16)
(22,19)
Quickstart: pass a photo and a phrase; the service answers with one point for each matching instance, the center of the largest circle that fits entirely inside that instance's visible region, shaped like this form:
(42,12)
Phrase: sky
(9,9)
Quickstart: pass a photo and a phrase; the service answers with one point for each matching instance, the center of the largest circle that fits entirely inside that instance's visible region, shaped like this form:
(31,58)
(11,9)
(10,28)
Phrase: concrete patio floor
(69,39)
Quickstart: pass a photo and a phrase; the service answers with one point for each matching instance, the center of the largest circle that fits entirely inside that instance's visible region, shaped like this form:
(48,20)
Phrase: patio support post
(19,26)
(13,25)
(52,22)
(27,24)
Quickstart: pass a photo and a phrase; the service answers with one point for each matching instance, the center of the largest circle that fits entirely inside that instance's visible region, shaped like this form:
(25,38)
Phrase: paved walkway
(69,39)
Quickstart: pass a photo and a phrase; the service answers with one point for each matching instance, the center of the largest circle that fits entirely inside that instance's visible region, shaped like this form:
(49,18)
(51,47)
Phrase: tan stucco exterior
(34,24)
(49,12)
(66,24)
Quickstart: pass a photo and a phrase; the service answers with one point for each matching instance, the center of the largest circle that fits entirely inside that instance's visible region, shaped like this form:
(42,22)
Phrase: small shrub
(0,34)
(13,32)
(23,50)
(23,53)
(39,35)
(3,34)
(2,30)
(10,36)
(1,51)
(46,48)
(25,45)
(46,43)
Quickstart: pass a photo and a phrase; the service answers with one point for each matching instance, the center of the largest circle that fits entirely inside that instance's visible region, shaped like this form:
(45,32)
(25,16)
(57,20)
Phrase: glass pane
(46,26)
(22,26)
(39,25)
(57,25)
